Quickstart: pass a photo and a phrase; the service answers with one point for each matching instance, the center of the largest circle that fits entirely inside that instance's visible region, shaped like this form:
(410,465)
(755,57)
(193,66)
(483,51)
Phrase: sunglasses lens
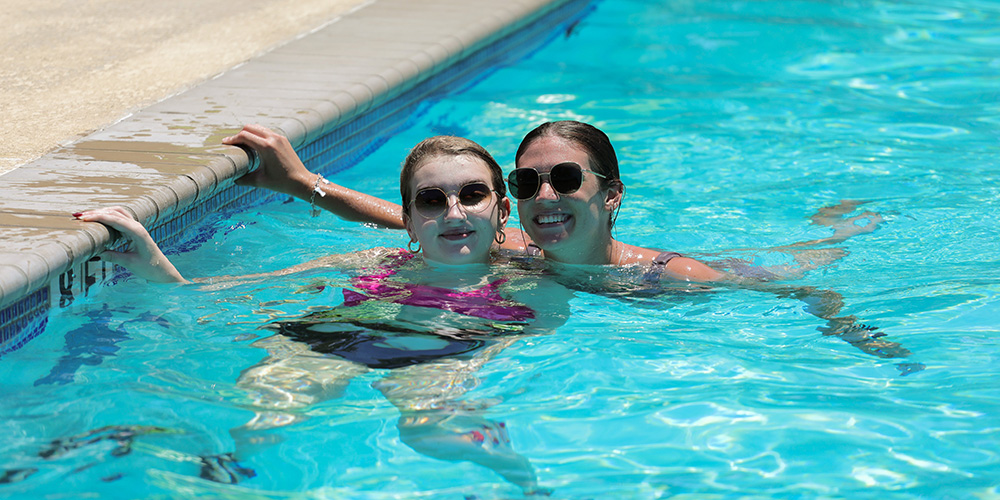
(475,197)
(566,178)
(523,183)
(430,202)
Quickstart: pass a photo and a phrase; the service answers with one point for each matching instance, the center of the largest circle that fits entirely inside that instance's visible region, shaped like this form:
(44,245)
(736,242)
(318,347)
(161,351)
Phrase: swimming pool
(733,123)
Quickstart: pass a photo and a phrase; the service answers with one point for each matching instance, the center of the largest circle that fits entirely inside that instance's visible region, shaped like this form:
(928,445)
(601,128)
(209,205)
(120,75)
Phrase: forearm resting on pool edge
(282,170)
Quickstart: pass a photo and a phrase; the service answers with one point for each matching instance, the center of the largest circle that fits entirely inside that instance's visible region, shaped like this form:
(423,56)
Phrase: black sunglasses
(565,178)
(432,202)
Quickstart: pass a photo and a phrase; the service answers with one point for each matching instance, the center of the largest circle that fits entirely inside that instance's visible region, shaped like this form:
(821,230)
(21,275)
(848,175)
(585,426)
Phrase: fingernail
(78,214)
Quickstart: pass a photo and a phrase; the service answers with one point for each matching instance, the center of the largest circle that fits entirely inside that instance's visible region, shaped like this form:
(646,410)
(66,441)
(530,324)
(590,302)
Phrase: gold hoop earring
(410,245)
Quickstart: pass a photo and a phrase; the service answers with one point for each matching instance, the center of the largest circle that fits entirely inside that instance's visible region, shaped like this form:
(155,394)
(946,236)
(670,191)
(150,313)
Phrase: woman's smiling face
(457,235)
(568,227)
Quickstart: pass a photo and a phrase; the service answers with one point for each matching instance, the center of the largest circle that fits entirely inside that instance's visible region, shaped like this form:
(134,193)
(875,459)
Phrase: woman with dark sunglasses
(569,191)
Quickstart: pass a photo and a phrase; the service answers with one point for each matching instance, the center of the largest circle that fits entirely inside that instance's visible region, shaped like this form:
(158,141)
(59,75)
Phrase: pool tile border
(336,93)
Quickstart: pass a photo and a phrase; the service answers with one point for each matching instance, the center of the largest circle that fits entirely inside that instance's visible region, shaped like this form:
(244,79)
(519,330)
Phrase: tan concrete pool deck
(69,68)
(165,161)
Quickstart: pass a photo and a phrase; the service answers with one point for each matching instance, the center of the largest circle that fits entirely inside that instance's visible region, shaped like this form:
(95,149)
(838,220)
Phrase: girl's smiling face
(572,228)
(458,235)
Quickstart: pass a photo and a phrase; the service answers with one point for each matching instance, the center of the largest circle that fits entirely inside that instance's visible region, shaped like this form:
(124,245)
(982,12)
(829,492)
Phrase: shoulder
(668,264)
(690,269)
(624,254)
(518,241)
(664,258)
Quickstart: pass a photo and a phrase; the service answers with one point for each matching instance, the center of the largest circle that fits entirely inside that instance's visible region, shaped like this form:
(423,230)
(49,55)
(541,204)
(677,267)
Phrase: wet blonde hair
(446,145)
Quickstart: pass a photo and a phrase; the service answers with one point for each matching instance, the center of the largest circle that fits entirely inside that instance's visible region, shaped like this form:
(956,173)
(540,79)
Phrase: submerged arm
(348,260)
(843,227)
(826,305)
(806,255)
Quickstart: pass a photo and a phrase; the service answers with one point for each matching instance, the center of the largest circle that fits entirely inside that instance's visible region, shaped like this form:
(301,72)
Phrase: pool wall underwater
(336,93)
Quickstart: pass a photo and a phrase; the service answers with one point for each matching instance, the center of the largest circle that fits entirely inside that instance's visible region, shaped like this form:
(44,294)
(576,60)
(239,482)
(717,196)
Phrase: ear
(504,208)
(408,223)
(616,191)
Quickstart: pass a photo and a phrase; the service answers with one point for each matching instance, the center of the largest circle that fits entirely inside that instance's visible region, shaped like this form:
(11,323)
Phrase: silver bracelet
(313,209)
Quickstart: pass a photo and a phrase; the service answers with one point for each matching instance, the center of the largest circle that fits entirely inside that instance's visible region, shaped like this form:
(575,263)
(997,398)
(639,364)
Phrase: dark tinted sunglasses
(565,178)
(432,202)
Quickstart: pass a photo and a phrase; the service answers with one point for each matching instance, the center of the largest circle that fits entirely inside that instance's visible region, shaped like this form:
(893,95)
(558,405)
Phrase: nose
(455,209)
(546,191)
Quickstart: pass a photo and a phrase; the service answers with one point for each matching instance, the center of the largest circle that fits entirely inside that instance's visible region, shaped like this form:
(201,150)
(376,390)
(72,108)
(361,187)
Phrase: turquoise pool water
(734,121)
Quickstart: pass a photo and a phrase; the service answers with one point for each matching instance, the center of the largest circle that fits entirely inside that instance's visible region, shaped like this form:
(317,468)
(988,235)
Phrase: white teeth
(551,219)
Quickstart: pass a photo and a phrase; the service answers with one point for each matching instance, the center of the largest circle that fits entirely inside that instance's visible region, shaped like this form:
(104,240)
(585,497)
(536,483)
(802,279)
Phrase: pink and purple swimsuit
(375,341)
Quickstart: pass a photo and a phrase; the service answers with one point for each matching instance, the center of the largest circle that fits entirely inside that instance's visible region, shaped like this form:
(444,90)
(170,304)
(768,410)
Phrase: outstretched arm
(281,170)
(824,304)
(813,254)
(145,258)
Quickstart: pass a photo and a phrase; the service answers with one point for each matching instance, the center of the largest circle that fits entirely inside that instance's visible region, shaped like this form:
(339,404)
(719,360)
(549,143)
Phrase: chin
(551,241)
(552,235)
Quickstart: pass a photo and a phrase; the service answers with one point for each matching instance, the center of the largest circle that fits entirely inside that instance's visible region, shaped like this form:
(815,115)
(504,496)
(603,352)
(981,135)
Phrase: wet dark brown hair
(595,142)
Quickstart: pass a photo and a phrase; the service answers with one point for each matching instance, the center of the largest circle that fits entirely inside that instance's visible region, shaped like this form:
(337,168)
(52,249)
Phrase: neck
(449,266)
(445,275)
(595,255)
